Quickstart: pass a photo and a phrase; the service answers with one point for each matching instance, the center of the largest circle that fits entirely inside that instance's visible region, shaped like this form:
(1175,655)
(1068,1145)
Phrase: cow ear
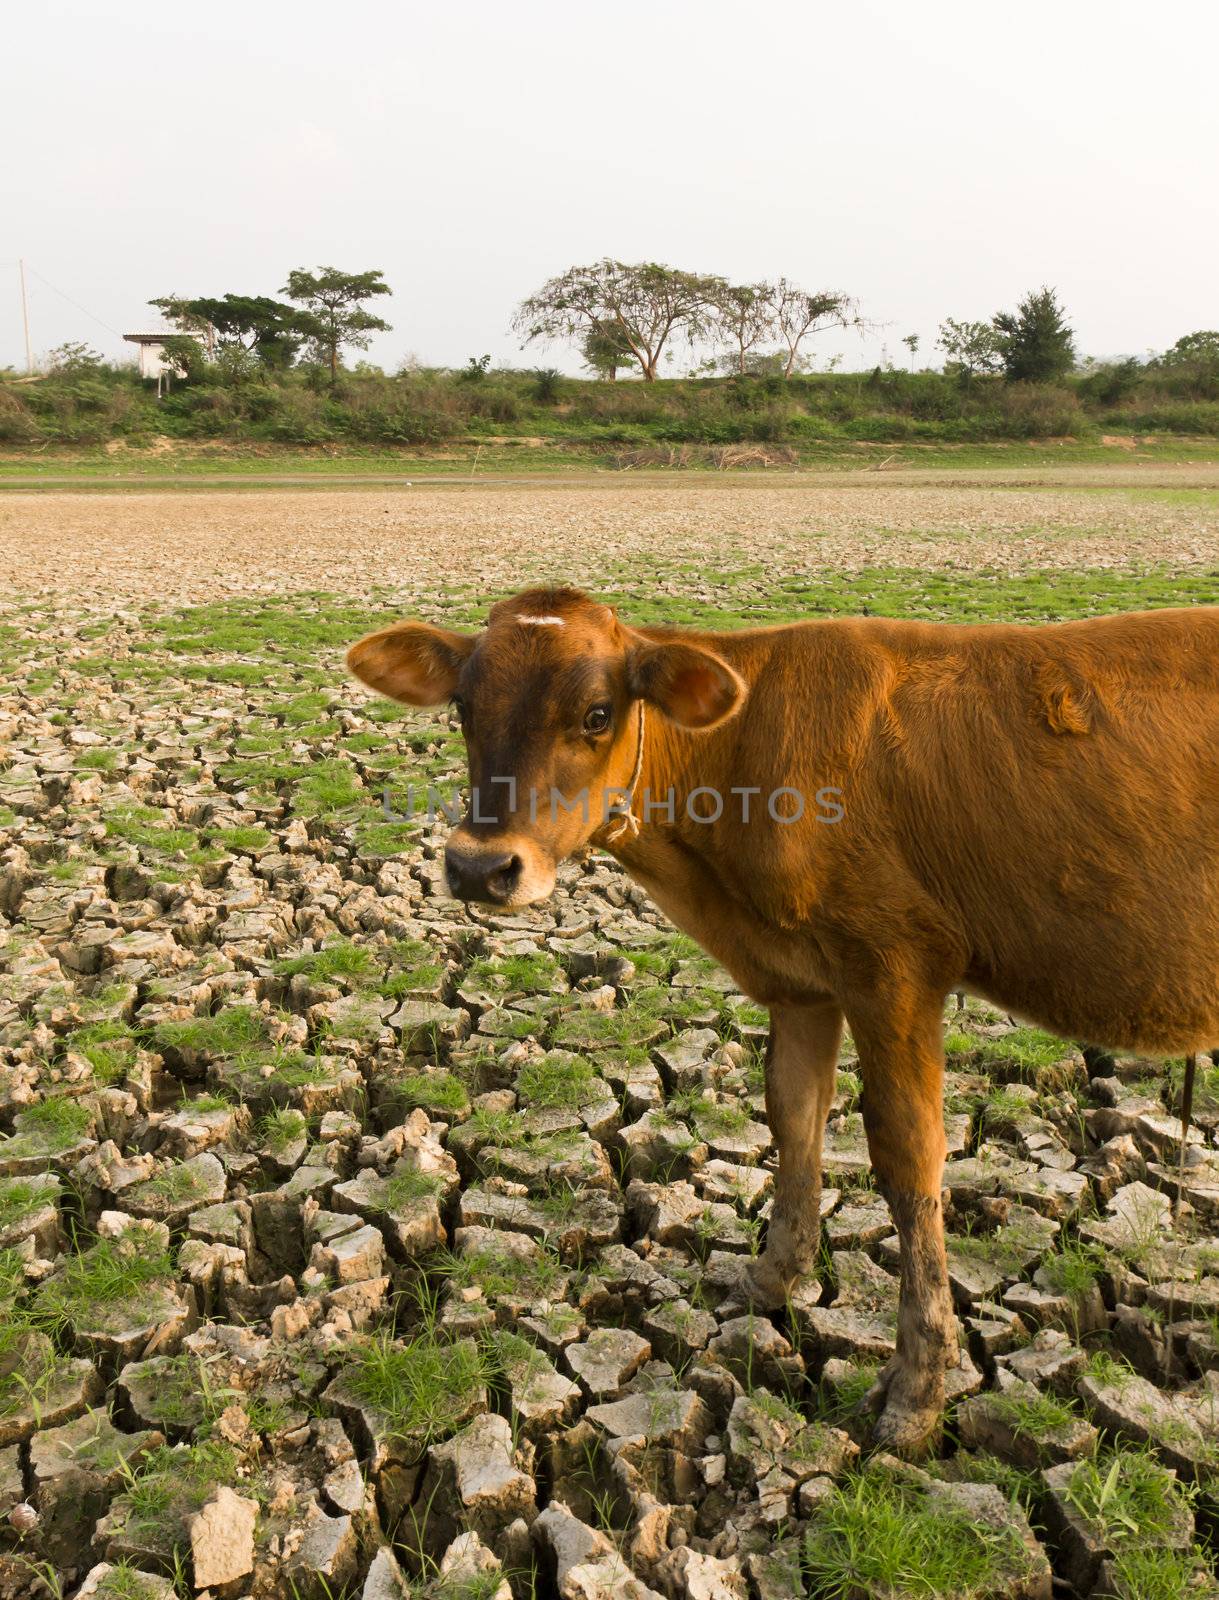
(412,662)
(692,686)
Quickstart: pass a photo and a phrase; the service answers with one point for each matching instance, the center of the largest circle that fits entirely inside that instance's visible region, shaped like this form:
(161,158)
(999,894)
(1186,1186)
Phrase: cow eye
(597,718)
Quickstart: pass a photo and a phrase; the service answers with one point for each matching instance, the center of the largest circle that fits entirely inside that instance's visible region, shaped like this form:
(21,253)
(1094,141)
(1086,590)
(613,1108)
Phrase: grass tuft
(876,1536)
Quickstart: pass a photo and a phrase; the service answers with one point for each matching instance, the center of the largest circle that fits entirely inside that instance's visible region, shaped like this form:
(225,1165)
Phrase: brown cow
(1028,813)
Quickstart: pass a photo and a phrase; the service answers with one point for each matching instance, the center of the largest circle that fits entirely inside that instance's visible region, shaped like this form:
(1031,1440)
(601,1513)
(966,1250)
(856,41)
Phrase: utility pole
(25,321)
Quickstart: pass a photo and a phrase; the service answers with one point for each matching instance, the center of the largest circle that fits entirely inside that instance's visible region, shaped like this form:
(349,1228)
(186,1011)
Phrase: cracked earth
(354,1243)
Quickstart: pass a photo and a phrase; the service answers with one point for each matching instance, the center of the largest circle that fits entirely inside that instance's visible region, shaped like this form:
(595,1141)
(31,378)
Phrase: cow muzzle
(508,873)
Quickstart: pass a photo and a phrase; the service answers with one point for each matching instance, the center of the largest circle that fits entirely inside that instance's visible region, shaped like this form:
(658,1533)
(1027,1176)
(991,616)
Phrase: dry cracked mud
(354,1243)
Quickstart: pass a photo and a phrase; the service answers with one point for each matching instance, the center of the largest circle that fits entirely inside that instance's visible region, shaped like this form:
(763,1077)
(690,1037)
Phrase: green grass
(376,838)
(125,1582)
(434,1091)
(1074,1269)
(247,463)
(749,597)
(297,628)
(1113,1371)
(355,963)
(402,1189)
(527,974)
(29,1363)
(558,1081)
(280,1129)
(500,1273)
(176,1184)
(246,837)
(626,1030)
(1161,1574)
(712,1118)
(227,1033)
(413,966)
(1023,1052)
(12,1279)
(108,1047)
(837,1403)
(51,1126)
(294,1069)
(111,1272)
(874,1536)
(1032,1416)
(98,759)
(21,1197)
(422,1388)
(1021,1484)
(1129,1499)
(150,829)
(172,1483)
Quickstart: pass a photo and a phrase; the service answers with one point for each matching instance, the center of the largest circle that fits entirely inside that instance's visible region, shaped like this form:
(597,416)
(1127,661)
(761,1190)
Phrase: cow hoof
(909,1408)
(767,1285)
(910,1432)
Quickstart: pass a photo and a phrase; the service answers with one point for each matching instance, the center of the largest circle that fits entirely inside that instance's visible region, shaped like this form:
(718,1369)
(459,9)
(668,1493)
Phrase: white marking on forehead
(542,622)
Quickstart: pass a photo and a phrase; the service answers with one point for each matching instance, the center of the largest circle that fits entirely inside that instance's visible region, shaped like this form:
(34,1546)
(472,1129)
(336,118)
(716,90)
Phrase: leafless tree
(799,314)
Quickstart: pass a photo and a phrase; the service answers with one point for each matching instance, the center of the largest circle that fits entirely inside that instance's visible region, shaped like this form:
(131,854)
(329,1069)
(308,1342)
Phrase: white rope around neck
(627,820)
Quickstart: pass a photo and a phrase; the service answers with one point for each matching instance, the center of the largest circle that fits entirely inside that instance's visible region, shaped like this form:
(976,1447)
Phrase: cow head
(547,694)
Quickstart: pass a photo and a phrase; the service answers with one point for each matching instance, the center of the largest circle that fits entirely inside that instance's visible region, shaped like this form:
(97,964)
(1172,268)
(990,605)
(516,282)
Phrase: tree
(744,315)
(643,303)
(1199,349)
(605,349)
(335,300)
(73,359)
(183,357)
(1191,367)
(1035,342)
(268,329)
(797,314)
(911,342)
(972,348)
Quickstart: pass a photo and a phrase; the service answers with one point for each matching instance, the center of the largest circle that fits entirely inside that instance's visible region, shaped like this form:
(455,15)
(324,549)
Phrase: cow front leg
(901,1061)
(801,1057)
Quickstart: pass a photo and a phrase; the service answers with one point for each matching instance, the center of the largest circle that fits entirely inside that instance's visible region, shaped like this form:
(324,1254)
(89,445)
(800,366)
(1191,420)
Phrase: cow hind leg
(901,1061)
(801,1057)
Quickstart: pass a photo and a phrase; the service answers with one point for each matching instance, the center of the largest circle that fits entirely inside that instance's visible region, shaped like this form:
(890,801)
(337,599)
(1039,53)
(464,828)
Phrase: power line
(63,296)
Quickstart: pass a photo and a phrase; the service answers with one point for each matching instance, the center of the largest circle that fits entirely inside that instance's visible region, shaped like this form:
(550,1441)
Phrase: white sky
(934,158)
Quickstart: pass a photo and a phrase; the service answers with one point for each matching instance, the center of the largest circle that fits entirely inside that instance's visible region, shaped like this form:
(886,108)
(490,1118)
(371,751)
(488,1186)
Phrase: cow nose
(481,874)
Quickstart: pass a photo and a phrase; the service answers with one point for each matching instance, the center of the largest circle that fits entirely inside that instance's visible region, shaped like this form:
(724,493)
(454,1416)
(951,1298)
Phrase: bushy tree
(269,329)
(1191,366)
(644,303)
(1199,349)
(1035,341)
(335,302)
(972,348)
(184,357)
(605,349)
(72,359)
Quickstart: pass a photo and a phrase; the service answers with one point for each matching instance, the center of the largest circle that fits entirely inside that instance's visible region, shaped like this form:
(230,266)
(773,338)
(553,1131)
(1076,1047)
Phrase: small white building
(153,363)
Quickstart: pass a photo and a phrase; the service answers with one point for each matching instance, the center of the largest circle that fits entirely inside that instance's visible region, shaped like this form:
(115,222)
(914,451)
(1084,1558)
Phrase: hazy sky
(934,159)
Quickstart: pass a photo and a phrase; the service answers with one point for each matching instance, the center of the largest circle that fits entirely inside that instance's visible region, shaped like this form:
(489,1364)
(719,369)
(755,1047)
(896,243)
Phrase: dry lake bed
(356,1244)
